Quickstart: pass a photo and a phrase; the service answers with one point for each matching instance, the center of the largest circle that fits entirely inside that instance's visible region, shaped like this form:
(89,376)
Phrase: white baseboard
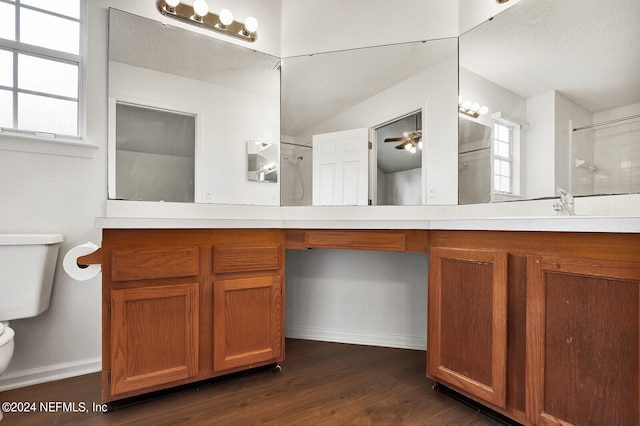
(358,338)
(49,373)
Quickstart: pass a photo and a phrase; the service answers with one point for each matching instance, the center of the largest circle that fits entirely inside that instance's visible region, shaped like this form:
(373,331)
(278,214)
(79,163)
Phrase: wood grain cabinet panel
(129,265)
(229,259)
(248,322)
(468,321)
(572,323)
(154,336)
(583,339)
(185,305)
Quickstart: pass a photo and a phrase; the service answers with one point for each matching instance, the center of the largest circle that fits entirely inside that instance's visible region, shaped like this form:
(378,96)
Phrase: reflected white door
(340,168)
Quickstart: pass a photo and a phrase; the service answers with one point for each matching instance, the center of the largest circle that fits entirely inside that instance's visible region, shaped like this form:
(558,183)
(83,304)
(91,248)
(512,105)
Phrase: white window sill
(43,145)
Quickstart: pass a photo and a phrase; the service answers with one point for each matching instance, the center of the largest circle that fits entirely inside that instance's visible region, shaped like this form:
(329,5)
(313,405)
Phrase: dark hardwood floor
(320,384)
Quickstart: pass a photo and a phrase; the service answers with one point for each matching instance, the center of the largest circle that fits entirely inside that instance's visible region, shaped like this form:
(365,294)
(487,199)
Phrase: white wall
(400,188)
(541,146)
(374,298)
(224,127)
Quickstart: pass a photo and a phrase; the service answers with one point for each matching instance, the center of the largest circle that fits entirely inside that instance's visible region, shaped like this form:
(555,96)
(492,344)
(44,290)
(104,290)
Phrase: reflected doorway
(396,162)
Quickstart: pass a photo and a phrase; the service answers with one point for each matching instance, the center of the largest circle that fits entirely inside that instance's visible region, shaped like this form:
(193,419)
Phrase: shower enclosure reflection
(296,165)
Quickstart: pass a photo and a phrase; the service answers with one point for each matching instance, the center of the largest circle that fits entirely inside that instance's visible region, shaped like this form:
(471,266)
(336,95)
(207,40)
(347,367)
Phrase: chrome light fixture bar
(199,15)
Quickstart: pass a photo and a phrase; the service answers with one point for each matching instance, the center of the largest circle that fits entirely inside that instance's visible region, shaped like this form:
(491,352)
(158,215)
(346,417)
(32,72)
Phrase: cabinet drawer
(360,240)
(228,259)
(149,264)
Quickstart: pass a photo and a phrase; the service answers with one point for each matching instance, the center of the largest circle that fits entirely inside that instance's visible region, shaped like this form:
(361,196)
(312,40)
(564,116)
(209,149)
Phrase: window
(41,67)
(502,158)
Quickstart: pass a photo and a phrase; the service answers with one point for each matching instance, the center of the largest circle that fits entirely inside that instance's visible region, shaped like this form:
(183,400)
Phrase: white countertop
(125,215)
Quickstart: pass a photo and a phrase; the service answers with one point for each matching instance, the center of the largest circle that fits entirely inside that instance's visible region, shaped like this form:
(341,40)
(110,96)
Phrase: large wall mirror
(220,94)
(561,84)
(334,104)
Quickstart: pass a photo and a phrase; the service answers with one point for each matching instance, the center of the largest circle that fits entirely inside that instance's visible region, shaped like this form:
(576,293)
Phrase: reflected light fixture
(470,108)
(226,18)
(170,6)
(199,15)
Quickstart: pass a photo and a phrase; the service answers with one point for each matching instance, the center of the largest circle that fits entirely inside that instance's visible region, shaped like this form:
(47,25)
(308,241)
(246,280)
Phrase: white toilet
(27,266)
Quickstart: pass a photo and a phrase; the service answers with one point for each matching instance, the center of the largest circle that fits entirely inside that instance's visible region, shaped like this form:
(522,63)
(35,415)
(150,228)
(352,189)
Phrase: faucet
(566,203)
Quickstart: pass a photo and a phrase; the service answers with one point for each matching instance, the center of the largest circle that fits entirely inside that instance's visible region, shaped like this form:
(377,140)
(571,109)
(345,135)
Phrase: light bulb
(226,17)
(483,110)
(460,100)
(407,147)
(420,145)
(200,8)
(170,6)
(466,104)
(251,24)
(412,149)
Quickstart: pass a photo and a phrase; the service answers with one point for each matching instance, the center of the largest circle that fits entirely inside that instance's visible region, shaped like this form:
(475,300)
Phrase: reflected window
(502,158)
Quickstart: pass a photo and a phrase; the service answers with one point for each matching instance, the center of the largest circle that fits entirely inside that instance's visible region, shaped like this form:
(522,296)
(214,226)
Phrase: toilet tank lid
(27,239)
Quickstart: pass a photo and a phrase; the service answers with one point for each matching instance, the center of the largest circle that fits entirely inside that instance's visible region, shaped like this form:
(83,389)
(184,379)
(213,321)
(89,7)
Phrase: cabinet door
(583,342)
(248,322)
(468,321)
(154,336)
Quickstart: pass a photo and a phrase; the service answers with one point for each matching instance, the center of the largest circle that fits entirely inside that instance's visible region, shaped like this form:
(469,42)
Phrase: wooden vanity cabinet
(248,305)
(186,305)
(570,304)
(583,341)
(468,319)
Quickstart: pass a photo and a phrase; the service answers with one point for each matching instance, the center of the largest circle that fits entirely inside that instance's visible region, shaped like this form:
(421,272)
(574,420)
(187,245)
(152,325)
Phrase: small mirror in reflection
(262,160)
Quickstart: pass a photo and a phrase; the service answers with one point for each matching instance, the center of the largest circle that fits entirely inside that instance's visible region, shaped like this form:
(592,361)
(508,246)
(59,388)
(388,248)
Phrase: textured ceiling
(585,49)
(588,50)
(317,87)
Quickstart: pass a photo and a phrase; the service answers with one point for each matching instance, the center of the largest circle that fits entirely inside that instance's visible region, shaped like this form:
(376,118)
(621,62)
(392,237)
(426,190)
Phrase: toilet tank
(27,267)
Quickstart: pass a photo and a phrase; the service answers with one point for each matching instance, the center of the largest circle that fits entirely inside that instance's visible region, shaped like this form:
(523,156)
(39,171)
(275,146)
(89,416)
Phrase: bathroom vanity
(539,326)
(542,327)
(186,305)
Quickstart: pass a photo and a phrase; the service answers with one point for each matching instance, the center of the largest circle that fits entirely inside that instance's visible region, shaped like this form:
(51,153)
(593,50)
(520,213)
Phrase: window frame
(28,140)
(509,159)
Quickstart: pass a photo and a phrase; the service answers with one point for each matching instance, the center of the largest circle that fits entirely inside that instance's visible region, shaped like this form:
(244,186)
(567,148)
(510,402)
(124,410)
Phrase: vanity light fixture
(199,15)
(226,18)
(470,108)
(170,6)
(200,9)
